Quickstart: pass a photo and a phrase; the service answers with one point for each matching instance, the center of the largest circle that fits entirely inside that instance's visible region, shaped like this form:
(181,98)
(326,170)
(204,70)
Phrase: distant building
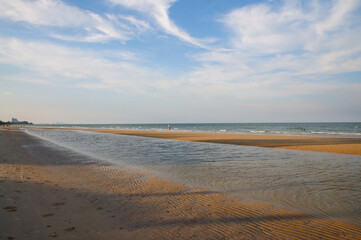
(14,120)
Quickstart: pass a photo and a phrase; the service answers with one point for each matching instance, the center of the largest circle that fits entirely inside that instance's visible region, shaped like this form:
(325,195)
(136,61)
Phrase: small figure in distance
(168,127)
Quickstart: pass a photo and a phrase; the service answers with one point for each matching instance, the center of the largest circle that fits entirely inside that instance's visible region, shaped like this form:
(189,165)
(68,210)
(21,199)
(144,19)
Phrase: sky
(180,61)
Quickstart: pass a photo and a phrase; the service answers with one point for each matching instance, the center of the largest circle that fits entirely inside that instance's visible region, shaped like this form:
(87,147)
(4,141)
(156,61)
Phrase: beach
(53,193)
(167,119)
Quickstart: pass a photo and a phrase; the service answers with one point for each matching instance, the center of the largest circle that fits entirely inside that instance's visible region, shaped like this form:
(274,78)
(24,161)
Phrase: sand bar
(51,193)
(320,144)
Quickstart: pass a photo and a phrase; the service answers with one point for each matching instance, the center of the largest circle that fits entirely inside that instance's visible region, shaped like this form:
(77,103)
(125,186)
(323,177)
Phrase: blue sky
(145,61)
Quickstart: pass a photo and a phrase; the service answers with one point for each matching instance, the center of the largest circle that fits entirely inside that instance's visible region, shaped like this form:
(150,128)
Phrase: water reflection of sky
(324,183)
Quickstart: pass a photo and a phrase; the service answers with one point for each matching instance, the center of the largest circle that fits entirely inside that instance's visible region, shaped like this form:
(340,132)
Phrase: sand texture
(50,193)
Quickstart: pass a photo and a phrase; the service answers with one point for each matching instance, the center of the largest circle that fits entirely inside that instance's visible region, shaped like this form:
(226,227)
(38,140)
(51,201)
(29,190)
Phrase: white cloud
(294,39)
(158,10)
(139,24)
(284,52)
(48,63)
(260,29)
(91,27)
(54,13)
(52,64)
(43,12)
(338,16)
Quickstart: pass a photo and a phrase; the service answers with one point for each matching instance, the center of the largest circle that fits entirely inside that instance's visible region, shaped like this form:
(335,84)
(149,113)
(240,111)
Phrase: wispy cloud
(90,27)
(139,24)
(261,29)
(293,39)
(158,11)
(49,63)
(283,51)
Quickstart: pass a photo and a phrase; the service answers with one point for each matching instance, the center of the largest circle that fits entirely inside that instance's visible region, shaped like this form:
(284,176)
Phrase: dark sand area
(53,193)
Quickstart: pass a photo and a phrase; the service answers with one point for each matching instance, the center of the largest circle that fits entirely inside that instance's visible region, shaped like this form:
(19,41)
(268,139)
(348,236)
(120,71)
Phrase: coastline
(47,192)
(317,144)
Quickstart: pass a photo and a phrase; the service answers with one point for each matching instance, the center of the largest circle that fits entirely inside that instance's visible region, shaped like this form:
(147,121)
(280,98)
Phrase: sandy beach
(176,119)
(53,193)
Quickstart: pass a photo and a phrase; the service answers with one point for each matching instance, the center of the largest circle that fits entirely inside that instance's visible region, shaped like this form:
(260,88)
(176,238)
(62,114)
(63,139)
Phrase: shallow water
(319,183)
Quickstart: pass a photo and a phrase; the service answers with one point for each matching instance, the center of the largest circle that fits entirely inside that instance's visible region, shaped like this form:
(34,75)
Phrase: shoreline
(49,192)
(318,144)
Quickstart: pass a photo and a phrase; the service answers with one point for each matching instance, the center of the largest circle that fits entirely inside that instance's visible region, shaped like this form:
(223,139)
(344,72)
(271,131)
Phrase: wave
(254,131)
(337,133)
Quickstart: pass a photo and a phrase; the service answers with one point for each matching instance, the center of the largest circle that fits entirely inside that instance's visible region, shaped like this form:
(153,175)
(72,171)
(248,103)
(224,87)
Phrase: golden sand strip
(46,193)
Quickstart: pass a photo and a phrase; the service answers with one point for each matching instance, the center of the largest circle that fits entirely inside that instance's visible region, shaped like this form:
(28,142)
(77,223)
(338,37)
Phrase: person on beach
(168,127)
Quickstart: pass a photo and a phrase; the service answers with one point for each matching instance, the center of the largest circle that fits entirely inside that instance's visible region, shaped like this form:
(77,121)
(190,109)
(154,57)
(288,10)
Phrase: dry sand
(50,193)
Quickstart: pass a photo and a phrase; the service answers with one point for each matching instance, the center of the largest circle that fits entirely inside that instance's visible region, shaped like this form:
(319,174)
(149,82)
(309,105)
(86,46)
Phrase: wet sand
(49,193)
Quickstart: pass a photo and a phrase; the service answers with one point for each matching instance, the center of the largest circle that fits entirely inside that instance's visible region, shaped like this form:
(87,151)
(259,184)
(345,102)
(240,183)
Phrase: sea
(334,129)
(323,184)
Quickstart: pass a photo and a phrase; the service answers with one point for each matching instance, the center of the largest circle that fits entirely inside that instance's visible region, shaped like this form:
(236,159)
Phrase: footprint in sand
(56,204)
(70,229)
(47,215)
(10,209)
(53,235)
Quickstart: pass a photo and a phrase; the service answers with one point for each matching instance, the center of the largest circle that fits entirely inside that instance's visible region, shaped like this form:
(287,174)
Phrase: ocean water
(319,183)
(341,129)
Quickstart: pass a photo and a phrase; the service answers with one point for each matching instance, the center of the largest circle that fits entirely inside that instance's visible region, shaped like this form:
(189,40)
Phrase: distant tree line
(14,123)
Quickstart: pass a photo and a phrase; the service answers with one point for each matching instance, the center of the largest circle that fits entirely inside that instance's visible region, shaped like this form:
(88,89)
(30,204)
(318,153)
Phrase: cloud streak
(58,65)
(291,39)
(284,51)
(90,26)
(260,29)
(158,11)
